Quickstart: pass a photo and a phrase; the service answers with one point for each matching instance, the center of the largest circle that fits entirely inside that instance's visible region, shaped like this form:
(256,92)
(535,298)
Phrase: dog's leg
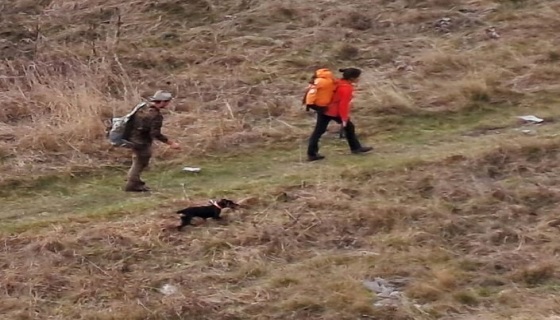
(180,227)
(216,215)
(185,221)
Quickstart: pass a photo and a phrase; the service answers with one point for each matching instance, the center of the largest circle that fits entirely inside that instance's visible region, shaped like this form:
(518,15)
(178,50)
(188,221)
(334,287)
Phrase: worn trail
(242,175)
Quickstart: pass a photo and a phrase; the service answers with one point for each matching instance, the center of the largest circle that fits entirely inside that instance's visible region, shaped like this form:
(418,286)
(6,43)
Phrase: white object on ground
(168,289)
(191,169)
(531,118)
(386,291)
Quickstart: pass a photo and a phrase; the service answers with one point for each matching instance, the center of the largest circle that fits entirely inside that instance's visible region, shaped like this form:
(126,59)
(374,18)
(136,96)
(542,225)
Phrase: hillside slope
(456,208)
(240,66)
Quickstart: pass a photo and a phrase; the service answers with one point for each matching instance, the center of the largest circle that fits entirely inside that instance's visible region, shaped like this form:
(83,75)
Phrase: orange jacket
(341,102)
(321,91)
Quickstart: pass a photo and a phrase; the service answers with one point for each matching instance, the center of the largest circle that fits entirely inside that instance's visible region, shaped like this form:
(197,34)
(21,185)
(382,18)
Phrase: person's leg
(140,160)
(145,157)
(320,128)
(350,132)
(353,142)
(134,171)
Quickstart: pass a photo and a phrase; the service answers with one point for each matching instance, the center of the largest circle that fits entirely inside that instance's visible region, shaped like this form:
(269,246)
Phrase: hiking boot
(140,182)
(136,188)
(362,150)
(315,157)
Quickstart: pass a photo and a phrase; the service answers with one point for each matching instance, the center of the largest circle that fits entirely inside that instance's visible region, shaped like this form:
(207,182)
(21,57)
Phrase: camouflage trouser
(140,160)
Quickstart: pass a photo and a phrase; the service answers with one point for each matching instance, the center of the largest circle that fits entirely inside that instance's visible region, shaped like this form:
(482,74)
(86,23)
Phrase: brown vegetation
(237,66)
(471,233)
(464,213)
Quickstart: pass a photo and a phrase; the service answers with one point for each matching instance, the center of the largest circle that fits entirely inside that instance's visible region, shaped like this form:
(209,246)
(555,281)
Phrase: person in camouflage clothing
(145,128)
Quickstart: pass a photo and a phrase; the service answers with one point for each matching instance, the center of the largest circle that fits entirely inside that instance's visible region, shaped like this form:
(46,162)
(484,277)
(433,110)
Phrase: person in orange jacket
(339,111)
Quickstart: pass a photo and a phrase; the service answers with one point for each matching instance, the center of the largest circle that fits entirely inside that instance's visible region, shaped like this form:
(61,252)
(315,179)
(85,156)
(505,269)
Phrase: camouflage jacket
(146,126)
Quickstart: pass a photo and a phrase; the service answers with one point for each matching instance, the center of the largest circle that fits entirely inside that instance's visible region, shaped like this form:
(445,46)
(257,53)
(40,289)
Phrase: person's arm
(155,130)
(155,127)
(345,94)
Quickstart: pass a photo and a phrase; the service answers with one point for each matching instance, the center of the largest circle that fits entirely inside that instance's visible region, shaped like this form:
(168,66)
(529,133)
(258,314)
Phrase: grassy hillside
(239,68)
(457,205)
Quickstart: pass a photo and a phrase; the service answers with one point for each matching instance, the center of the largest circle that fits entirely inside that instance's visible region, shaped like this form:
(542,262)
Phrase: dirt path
(237,176)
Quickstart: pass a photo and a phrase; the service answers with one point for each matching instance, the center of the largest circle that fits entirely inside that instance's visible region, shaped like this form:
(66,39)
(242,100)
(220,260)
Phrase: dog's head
(226,203)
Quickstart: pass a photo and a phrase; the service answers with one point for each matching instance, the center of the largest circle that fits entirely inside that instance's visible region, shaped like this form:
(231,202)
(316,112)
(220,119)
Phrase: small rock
(443,25)
(492,33)
(385,290)
(168,289)
(394,282)
(385,294)
(373,286)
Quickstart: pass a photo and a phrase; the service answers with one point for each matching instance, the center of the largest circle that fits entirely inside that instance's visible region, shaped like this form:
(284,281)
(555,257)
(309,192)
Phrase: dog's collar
(214,203)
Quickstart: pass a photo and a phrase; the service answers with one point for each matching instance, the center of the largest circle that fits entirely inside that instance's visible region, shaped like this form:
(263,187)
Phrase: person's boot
(136,187)
(315,157)
(140,182)
(362,150)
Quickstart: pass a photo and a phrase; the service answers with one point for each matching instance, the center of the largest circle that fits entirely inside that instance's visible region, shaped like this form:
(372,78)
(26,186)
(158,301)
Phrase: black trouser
(321,127)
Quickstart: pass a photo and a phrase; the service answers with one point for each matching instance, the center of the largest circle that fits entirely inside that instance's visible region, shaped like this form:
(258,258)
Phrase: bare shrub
(389,99)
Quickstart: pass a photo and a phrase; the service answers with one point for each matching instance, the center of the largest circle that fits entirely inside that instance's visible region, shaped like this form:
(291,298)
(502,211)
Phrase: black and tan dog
(211,211)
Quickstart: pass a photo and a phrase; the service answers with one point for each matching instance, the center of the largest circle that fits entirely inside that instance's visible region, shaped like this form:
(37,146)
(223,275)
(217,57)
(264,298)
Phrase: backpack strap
(309,86)
(306,92)
(136,108)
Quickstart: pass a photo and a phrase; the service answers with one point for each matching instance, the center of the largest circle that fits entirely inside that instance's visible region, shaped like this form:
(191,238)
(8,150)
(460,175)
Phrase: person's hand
(344,123)
(174,145)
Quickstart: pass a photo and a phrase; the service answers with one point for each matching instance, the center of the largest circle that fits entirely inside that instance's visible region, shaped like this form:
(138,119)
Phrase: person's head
(351,74)
(161,99)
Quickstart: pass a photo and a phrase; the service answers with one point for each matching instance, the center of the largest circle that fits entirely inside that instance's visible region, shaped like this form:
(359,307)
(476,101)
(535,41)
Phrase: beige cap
(161,95)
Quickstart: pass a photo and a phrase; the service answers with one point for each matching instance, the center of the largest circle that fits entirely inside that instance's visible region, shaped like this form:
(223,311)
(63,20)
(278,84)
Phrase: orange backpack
(321,89)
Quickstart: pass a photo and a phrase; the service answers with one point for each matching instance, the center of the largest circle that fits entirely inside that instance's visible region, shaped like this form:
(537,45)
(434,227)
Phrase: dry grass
(463,232)
(471,236)
(244,62)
